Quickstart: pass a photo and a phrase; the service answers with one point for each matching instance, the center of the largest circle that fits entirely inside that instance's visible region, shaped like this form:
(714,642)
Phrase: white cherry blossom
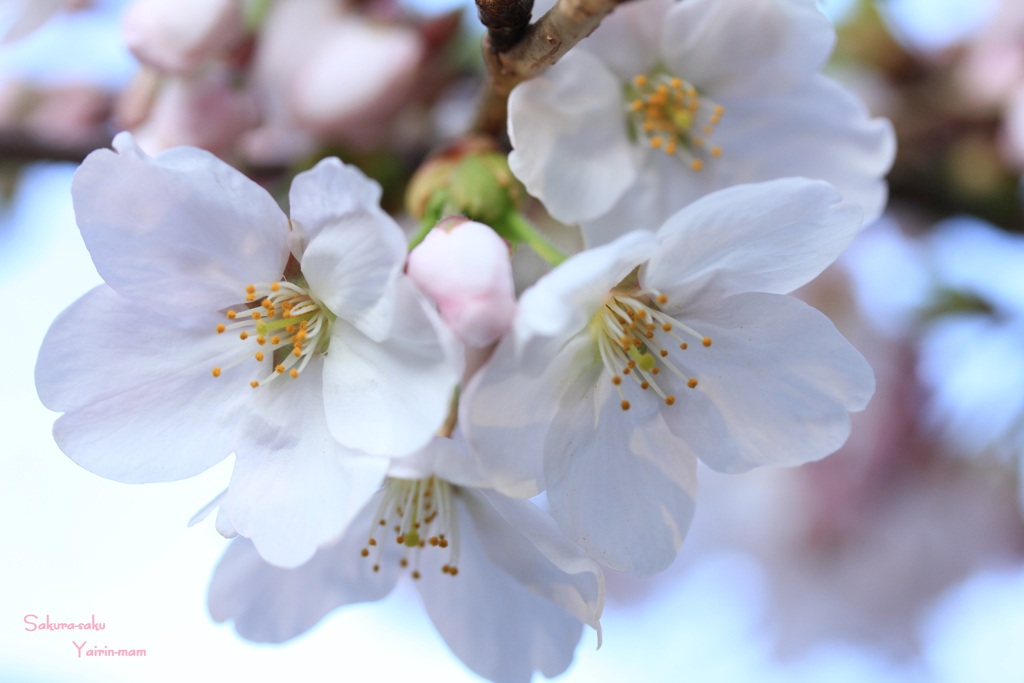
(224,326)
(505,589)
(668,101)
(630,361)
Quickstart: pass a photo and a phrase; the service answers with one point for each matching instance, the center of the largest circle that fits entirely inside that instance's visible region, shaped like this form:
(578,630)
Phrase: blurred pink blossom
(176,36)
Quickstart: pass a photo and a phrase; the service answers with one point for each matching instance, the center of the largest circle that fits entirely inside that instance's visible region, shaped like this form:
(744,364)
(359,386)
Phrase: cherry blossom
(668,101)
(630,361)
(224,326)
(505,589)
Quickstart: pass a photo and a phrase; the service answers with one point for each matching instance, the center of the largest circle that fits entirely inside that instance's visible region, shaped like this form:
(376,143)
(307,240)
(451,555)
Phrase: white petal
(618,482)
(141,403)
(528,545)
(498,627)
(271,604)
(767,237)
(294,488)
(754,46)
(568,133)
(325,196)
(816,130)
(182,229)
(505,413)
(562,302)
(450,459)
(775,387)
(627,41)
(352,265)
(663,185)
(389,396)
(205,511)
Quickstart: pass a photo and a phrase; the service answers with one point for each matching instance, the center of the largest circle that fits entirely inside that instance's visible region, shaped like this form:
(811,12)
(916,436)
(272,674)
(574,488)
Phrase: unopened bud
(474,180)
(464,267)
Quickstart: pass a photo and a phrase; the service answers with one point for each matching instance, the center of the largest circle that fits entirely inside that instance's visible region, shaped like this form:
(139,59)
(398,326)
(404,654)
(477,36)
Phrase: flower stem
(520,229)
(431,215)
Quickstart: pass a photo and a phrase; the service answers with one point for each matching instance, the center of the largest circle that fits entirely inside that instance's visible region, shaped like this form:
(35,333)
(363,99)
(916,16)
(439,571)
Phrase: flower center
(420,513)
(282,325)
(670,115)
(637,340)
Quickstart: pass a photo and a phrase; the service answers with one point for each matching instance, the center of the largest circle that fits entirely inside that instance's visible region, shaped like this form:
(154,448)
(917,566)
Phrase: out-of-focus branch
(19,146)
(540,45)
(506,21)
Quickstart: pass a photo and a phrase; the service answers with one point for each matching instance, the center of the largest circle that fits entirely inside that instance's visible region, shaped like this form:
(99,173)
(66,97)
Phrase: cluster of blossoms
(391,402)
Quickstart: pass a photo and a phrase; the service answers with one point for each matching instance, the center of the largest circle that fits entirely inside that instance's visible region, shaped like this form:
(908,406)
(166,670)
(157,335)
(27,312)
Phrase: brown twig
(541,45)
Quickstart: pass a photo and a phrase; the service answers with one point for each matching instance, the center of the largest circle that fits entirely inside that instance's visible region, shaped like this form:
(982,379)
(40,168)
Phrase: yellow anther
(261,340)
(216,372)
(662,299)
(656,143)
(267,304)
(254,384)
(670,400)
(256,315)
(655,370)
(279,369)
(250,297)
(716,152)
(231,315)
(644,385)
(637,105)
(670,148)
(275,340)
(677,83)
(259,356)
(663,352)
(251,289)
(706,341)
(297,351)
(221,327)
(640,80)
(624,405)
(696,164)
(692,383)
(616,380)
(684,346)
(243,335)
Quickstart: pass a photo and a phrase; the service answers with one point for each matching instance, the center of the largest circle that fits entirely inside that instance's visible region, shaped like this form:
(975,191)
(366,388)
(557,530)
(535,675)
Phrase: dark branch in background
(539,46)
(19,146)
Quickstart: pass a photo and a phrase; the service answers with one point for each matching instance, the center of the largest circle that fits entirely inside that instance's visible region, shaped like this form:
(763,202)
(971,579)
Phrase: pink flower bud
(465,269)
(175,36)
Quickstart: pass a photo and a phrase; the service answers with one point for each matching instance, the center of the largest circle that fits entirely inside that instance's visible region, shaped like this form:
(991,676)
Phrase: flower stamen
(634,337)
(672,116)
(279,306)
(421,513)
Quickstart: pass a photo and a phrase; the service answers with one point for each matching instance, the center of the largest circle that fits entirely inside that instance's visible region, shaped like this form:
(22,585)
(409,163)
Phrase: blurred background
(900,558)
